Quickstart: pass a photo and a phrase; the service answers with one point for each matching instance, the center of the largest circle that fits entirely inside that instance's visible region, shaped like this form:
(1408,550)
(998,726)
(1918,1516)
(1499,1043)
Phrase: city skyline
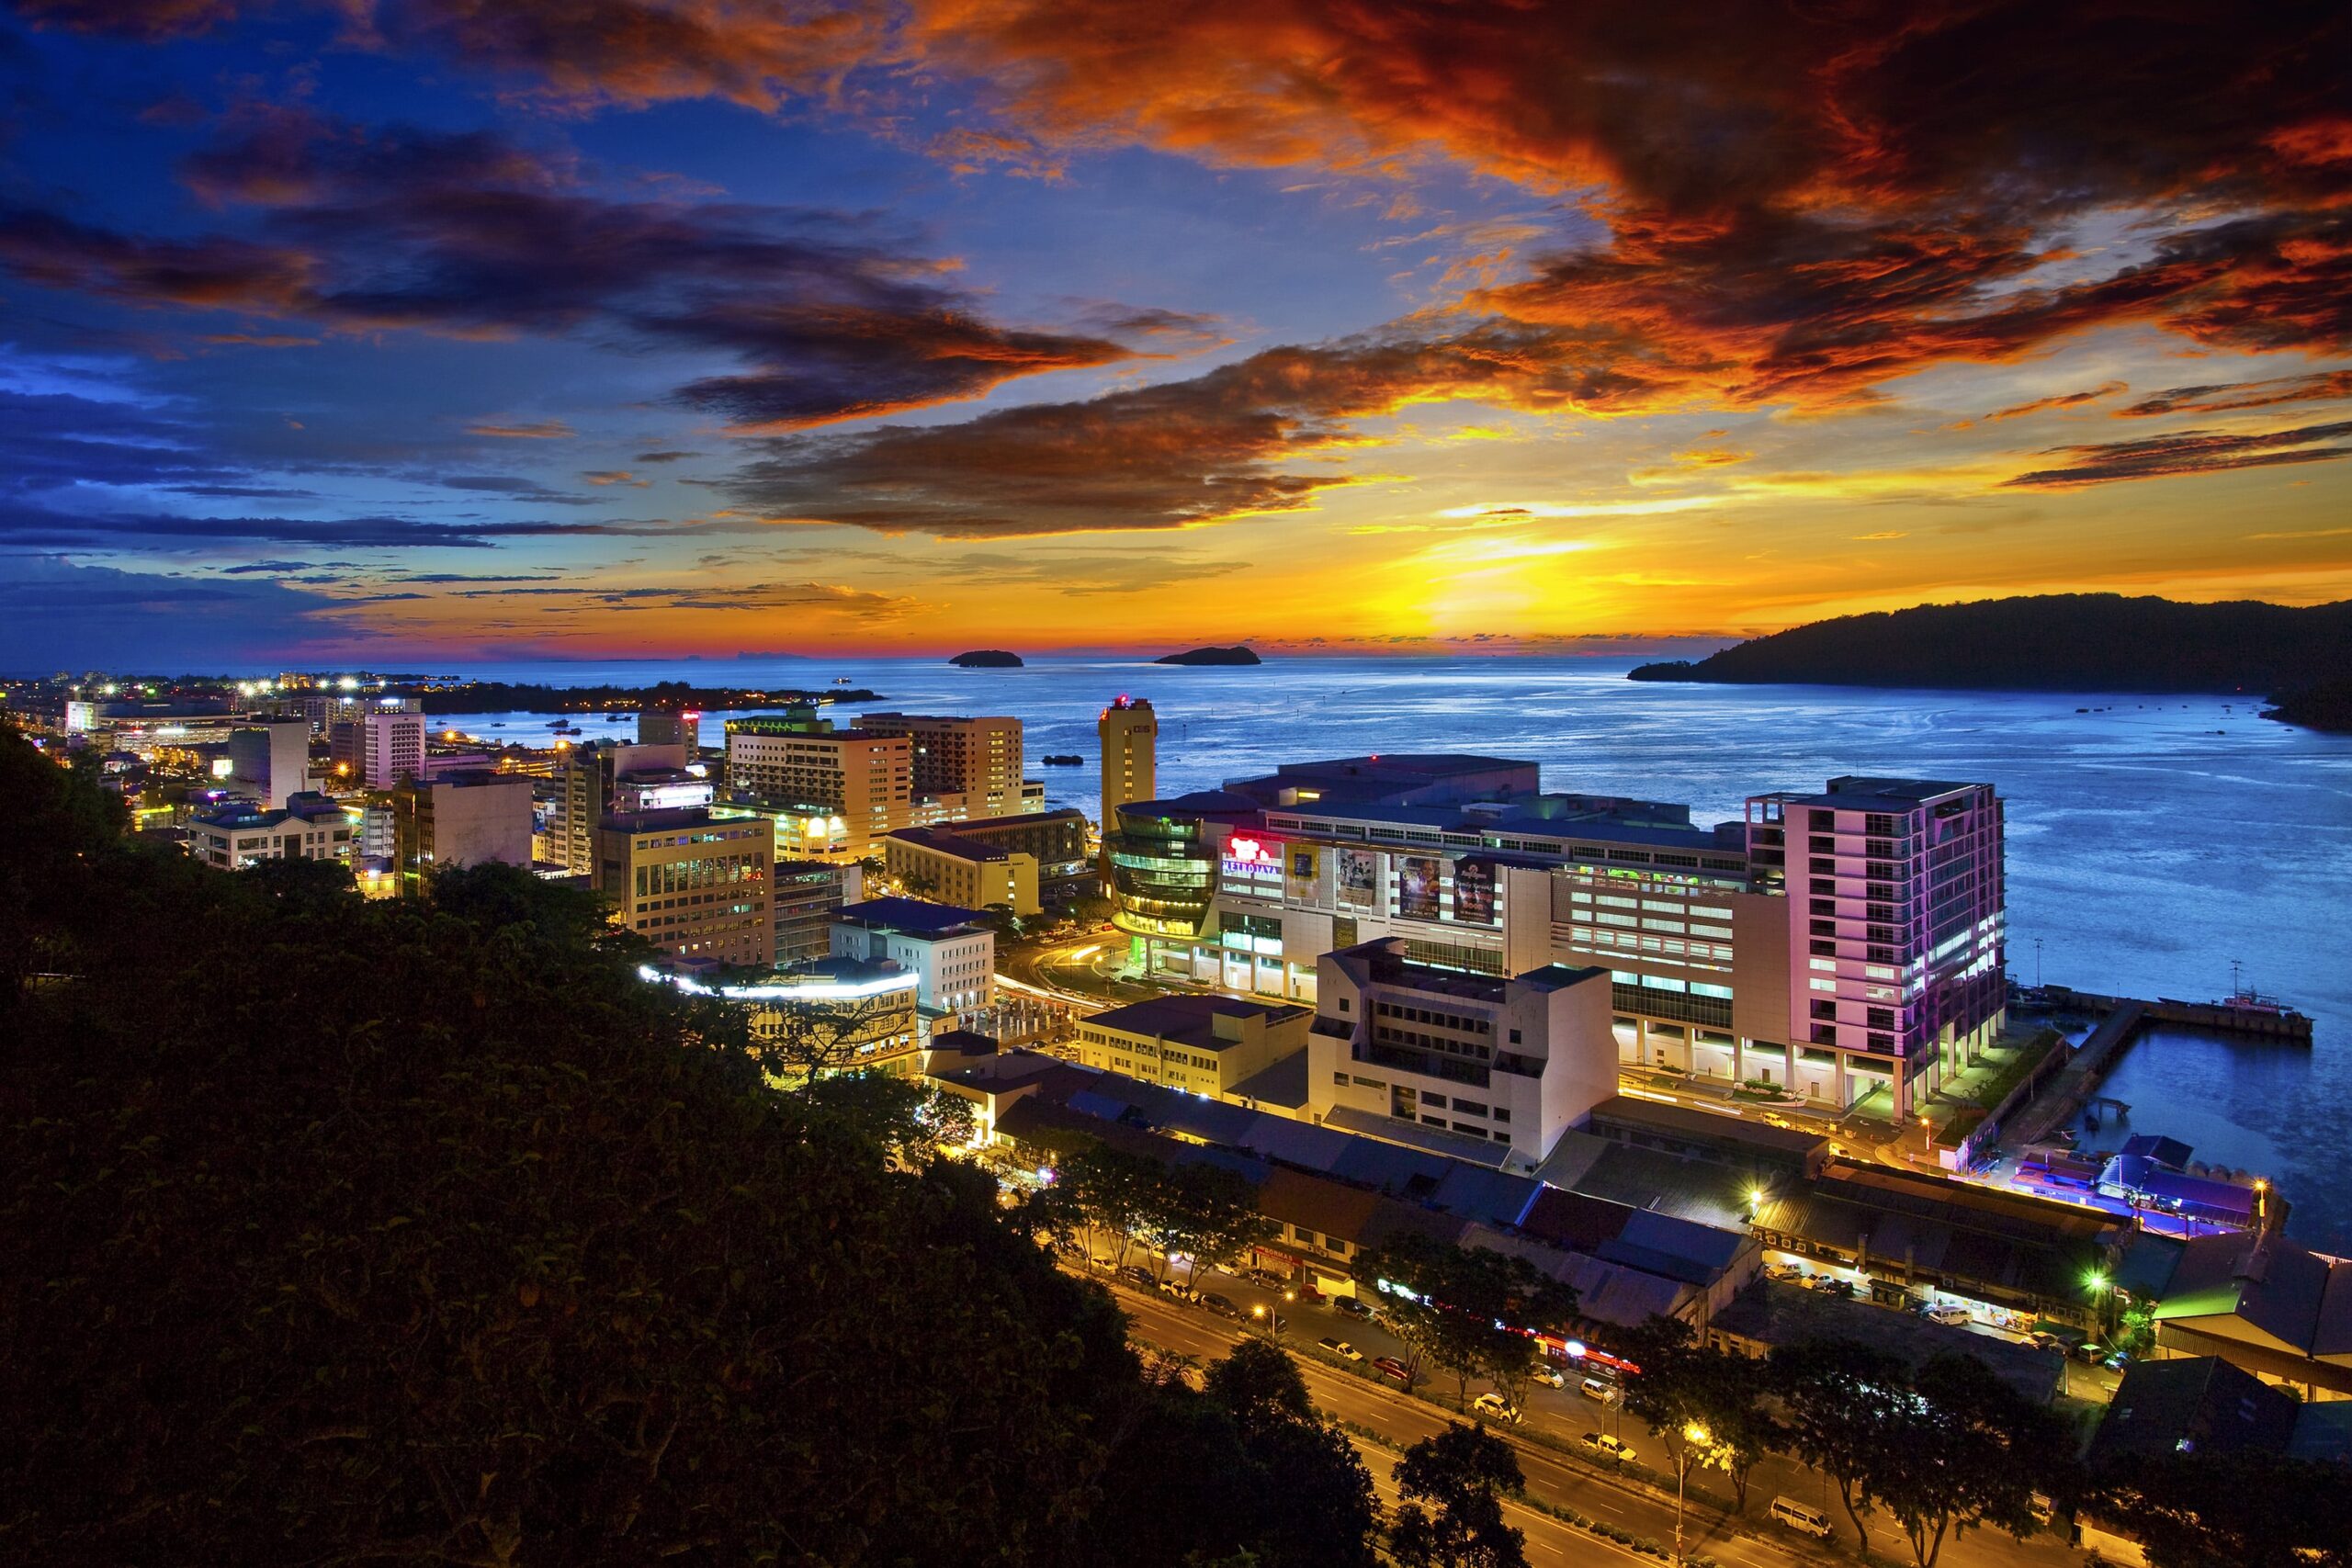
(425,331)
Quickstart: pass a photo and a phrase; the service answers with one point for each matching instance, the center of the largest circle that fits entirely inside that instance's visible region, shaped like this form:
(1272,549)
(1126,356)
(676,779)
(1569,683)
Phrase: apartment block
(978,759)
(1897,923)
(379,749)
(694,885)
(1054,839)
(1128,732)
(801,763)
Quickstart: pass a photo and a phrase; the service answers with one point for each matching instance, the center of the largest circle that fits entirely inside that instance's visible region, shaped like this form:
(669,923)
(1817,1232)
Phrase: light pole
(2037,963)
(1694,1437)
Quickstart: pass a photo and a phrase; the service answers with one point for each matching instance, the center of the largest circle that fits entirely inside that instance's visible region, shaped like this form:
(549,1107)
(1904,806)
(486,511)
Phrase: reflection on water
(2151,840)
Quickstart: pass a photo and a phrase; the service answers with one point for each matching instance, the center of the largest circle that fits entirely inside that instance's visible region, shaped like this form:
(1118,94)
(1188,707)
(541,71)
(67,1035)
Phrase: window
(1344,1004)
(1501,1115)
(1514,1037)
(1341,1080)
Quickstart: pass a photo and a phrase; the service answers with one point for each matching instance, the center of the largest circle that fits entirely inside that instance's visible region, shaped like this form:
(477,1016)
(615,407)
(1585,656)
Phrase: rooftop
(1191,1021)
(1852,790)
(2195,1403)
(914,917)
(1680,1121)
(946,842)
(1771,1313)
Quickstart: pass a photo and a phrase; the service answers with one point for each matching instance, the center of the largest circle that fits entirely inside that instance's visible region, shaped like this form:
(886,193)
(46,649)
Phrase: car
(1311,1296)
(1549,1376)
(1220,1304)
(1606,1447)
(1788,1272)
(1139,1277)
(2116,1362)
(1342,1348)
(1349,1306)
(1600,1388)
(1265,1277)
(1389,1366)
(1495,1404)
(1177,1288)
(1830,1286)
(1945,1313)
(2091,1352)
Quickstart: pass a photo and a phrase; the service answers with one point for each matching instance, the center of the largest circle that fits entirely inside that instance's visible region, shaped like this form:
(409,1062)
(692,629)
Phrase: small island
(987,659)
(1064,759)
(1236,654)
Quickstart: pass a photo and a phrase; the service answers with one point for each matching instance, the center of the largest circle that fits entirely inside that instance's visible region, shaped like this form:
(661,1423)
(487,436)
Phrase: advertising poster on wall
(1474,892)
(1357,876)
(1302,870)
(1416,886)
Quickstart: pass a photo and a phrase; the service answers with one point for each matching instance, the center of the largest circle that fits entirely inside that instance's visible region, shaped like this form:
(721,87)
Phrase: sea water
(2152,841)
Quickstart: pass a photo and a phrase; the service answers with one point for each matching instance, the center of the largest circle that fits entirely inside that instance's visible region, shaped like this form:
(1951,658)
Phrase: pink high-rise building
(1895,925)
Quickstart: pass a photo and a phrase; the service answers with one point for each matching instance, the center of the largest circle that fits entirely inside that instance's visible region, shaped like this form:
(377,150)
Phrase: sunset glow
(425,329)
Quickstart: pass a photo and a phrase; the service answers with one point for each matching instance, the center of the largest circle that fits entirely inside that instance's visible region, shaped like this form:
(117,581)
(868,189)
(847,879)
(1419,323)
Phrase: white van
(1600,1388)
(1803,1517)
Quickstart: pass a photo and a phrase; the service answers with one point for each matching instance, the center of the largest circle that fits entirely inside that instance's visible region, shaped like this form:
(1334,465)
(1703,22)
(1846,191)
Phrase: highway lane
(1559,1479)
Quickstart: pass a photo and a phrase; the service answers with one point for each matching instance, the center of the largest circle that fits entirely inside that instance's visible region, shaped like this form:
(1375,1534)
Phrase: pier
(2248,1016)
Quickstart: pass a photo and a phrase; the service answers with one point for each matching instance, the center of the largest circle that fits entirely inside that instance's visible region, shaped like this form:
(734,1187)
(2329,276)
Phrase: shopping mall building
(1829,945)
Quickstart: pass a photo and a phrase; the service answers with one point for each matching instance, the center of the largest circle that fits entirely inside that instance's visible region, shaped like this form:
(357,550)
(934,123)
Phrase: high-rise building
(1896,923)
(669,726)
(379,749)
(808,895)
(1398,1045)
(270,759)
(1129,734)
(977,759)
(798,760)
(459,820)
(326,709)
(588,786)
(694,885)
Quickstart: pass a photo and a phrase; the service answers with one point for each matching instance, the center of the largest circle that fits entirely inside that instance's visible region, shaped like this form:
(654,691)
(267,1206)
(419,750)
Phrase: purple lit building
(1895,925)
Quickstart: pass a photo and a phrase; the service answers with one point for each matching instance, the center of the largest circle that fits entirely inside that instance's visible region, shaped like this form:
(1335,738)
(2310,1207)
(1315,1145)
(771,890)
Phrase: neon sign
(1249,851)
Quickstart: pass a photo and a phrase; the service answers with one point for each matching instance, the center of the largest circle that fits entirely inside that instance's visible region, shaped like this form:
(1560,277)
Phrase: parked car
(1945,1313)
(1829,1285)
(1389,1366)
(1342,1348)
(1177,1288)
(1310,1295)
(1549,1375)
(1606,1447)
(1265,1277)
(2116,1362)
(1600,1388)
(2091,1352)
(1349,1306)
(1139,1277)
(1220,1304)
(1783,1272)
(1495,1405)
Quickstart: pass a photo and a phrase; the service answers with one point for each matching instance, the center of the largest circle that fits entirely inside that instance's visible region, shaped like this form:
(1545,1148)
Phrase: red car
(1389,1366)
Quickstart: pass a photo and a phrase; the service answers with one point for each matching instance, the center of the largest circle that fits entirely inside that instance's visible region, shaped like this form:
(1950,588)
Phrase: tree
(1205,1212)
(1112,1190)
(1683,1384)
(2242,1509)
(1452,1516)
(1843,1400)
(1965,1449)
(798,1042)
(402,1232)
(1468,1310)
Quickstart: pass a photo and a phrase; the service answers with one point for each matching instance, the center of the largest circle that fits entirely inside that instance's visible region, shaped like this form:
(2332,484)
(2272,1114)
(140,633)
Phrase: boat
(843,681)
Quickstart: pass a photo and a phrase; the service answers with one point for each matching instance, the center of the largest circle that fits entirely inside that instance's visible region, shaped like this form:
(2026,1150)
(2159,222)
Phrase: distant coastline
(509,696)
(2087,642)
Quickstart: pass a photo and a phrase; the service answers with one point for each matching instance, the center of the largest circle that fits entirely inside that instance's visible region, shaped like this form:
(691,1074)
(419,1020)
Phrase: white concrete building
(1397,1044)
(952,956)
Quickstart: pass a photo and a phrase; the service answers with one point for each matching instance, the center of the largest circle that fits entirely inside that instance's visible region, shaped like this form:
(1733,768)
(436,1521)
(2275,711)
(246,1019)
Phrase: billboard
(1418,878)
(1356,874)
(1474,892)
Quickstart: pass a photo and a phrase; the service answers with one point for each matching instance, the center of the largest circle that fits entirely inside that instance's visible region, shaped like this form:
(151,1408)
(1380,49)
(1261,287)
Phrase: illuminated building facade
(977,759)
(1896,925)
(1514,1061)
(270,759)
(309,827)
(1204,1046)
(800,761)
(1128,733)
(1712,956)
(692,884)
(379,748)
(956,870)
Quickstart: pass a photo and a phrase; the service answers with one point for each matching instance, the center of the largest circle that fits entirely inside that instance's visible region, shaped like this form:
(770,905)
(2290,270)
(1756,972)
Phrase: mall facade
(1828,945)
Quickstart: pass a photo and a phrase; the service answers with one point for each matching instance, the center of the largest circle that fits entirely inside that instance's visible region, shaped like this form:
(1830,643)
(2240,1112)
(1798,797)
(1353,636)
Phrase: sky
(420,332)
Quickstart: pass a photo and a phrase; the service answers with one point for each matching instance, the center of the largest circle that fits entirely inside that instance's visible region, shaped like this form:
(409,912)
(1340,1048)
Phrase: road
(1560,1480)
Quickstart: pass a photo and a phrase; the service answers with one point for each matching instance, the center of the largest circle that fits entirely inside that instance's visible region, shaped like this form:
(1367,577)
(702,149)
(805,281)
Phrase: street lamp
(1694,1437)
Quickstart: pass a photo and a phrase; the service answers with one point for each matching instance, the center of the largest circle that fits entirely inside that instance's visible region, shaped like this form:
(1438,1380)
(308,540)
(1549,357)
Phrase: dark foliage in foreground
(334,1232)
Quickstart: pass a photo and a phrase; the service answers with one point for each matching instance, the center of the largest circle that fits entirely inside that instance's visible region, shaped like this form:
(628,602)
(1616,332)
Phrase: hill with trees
(2087,642)
(423,1231)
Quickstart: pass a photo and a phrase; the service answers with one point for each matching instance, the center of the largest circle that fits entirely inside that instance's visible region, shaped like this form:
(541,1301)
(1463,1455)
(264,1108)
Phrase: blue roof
(917,916)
